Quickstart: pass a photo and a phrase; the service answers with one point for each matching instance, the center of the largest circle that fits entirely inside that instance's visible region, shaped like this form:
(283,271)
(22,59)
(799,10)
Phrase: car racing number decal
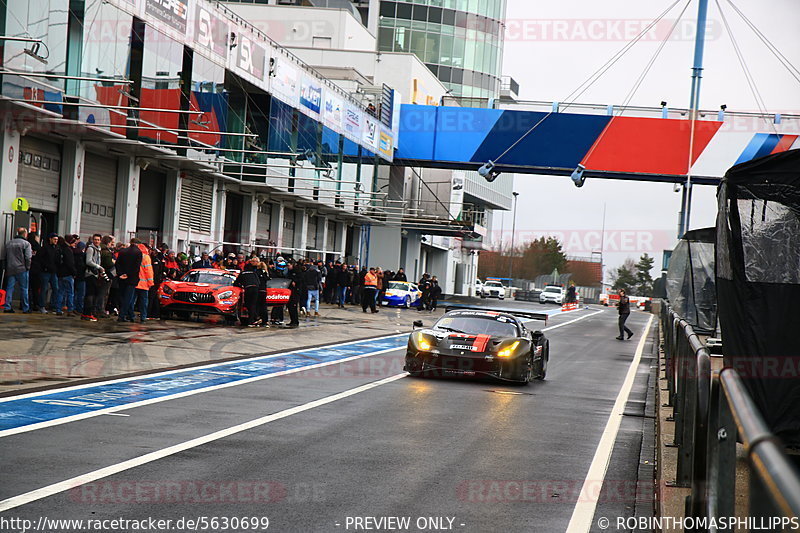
(479,342)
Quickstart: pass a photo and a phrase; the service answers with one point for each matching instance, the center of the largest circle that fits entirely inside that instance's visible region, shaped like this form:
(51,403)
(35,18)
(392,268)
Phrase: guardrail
(709,410)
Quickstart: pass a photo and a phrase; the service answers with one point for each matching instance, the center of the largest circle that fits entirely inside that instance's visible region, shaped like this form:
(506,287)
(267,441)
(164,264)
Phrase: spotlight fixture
(33,51)
(488,172)
(577,176)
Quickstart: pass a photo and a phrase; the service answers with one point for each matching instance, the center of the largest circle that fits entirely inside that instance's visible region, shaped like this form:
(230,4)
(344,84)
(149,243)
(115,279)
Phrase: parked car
(552,293)
(402,294)
(204,291)
(493,289)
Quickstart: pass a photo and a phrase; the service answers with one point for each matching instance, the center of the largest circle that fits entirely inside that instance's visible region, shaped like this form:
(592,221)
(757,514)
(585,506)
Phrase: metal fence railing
(709,410)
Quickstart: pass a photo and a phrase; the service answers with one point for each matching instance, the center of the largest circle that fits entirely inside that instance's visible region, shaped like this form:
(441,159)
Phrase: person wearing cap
(19,254)
(370,290)
(48,263)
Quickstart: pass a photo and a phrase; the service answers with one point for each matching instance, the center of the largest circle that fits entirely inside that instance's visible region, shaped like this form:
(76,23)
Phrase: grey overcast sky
(639,216)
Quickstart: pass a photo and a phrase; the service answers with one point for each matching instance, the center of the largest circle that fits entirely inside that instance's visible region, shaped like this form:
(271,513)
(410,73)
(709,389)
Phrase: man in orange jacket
(145,282)
(370,291)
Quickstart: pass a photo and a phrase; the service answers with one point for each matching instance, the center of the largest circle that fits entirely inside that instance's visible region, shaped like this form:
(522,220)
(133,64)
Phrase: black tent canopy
(758,283)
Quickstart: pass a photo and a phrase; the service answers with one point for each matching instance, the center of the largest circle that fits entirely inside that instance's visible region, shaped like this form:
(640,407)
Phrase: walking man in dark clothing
(624,313)
(128,263)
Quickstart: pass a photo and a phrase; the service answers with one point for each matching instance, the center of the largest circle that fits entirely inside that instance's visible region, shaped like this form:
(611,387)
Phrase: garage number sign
(20,204)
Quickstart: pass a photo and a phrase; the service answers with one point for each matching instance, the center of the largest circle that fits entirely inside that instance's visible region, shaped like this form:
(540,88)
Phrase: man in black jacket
(425,287)
(624,313)
(293,273)
(312,278)
(251,279)
(47,259)
(343,283)
(204,262)
(128,263)
(435,294)
(65,261)
(400,276)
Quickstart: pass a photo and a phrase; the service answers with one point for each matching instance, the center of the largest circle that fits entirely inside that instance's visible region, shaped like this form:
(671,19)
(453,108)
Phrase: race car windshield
(476,325)
(552,289)
(398,286)
(206,277)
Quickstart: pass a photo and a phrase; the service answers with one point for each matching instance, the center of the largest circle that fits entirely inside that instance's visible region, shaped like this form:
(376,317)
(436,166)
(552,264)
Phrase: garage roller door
(39,173)
(311,235)
(264,223)
(288,228)
(197,199)
(99,195)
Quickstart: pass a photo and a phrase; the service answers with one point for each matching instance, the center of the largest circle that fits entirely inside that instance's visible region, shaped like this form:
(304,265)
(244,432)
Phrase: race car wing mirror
(417,324)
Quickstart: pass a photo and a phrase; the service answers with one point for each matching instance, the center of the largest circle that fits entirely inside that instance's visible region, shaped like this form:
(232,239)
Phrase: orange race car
(203,291)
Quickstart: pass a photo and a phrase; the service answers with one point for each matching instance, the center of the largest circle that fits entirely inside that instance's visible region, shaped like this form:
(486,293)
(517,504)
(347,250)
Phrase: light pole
(513,232)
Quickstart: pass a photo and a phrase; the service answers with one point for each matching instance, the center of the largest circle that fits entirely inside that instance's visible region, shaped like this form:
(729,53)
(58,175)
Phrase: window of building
(161,67)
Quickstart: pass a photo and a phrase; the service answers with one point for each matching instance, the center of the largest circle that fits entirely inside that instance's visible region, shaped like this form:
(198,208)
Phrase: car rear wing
(514,312)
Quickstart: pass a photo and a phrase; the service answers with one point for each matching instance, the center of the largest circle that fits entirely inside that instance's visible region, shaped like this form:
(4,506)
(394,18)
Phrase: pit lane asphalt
(411,447)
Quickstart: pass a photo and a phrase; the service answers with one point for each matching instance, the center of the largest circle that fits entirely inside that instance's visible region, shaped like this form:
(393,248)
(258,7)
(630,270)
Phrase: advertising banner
(311,95)
(386,146)
(284,82)
(352,123)
(332,115)
(371,133)
(250,56)
(173,13)
(210,32)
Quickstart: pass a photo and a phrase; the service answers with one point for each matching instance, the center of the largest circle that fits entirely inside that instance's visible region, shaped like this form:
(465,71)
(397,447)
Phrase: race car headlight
(508,351)
(168,289)
(423,342)
(225,295)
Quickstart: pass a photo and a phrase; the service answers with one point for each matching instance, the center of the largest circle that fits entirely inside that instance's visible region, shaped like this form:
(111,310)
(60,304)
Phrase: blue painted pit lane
(25,412)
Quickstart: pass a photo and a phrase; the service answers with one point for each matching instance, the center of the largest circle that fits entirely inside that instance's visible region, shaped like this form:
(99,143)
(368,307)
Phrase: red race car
(204,291)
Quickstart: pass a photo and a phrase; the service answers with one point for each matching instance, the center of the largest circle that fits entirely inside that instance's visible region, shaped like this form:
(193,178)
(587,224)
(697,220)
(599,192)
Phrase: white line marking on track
(192,368)
(61,486)
(572,321)
(110,410)
(583,514)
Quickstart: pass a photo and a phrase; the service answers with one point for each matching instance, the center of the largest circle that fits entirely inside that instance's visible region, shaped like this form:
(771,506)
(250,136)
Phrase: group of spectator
(98,279)
(104,278)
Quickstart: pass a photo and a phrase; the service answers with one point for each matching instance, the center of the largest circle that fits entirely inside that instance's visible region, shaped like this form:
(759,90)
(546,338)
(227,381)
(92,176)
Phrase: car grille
(194,297)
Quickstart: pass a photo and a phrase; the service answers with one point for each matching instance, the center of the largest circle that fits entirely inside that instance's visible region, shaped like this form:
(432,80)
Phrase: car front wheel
(407,302)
